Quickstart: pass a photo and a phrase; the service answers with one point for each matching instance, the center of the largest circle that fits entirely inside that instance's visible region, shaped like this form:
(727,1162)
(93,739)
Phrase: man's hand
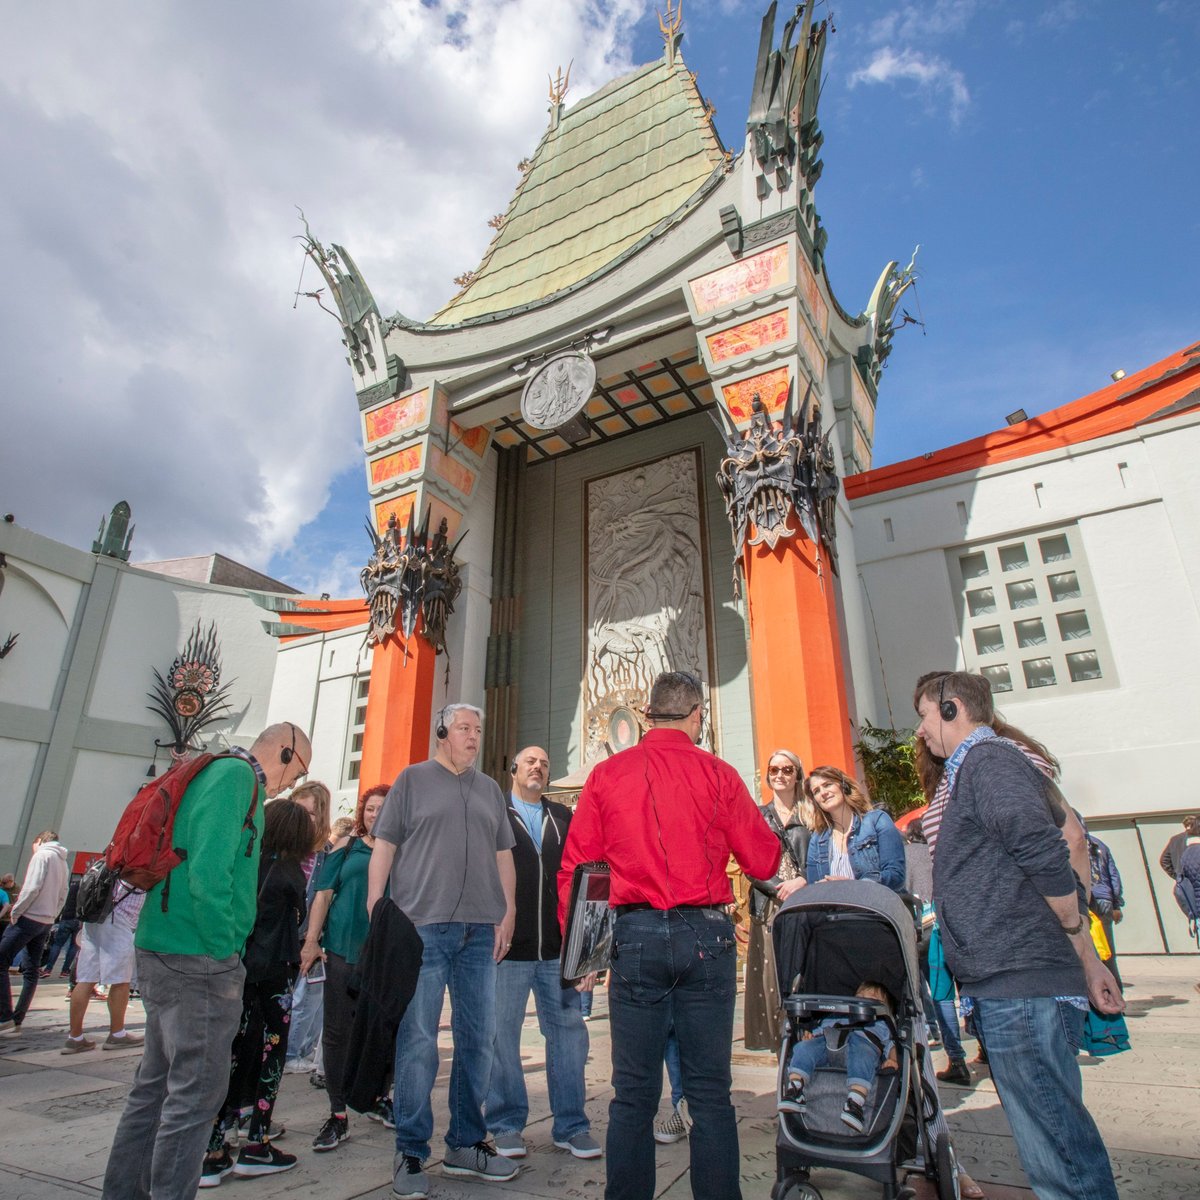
(588,982)
(1102,988)
(1117,915)
(310,952)
(789,887)
(504,935)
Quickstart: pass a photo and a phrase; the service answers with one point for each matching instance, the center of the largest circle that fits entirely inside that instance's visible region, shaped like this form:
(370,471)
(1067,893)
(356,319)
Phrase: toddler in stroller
(866,1048)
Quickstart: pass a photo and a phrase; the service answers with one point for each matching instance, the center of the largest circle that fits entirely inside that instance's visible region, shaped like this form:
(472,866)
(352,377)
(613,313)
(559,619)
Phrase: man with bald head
(540,829)
(189,944)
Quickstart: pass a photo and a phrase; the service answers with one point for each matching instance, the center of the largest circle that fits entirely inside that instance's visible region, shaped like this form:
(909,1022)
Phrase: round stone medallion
(558,391)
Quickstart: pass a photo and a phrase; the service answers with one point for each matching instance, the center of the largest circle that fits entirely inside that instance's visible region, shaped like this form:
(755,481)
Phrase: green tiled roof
(619,163)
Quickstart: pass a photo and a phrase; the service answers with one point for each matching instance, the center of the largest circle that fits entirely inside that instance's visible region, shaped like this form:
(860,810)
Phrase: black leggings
(338,1021)
(258,1054)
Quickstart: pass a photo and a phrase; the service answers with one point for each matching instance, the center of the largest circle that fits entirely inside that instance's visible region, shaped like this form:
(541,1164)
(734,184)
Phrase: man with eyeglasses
(665,816)
(189,969)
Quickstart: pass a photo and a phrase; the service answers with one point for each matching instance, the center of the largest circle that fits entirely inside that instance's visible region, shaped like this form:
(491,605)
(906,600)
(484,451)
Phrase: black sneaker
(261,1158)
(382,1112)
(335,1130)
(317,1079)
(215,1169)
(853,1115)
(792,1099)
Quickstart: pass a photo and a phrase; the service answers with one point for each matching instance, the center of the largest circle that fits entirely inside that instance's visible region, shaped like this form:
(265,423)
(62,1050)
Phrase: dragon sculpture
(418,581)
(774,472)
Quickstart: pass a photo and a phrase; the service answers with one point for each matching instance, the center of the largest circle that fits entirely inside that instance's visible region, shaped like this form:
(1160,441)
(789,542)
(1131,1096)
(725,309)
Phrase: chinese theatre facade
(618,449)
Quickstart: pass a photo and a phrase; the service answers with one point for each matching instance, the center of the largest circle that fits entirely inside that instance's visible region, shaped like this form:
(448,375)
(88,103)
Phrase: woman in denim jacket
(851,840)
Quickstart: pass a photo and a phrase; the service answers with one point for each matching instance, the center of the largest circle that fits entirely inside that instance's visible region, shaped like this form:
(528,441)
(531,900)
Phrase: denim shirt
(875,847)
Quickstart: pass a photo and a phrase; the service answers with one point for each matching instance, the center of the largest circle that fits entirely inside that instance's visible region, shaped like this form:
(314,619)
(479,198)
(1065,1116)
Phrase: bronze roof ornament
(671,26)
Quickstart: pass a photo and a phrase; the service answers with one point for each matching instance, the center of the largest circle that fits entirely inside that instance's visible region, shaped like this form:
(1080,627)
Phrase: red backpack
(142,852)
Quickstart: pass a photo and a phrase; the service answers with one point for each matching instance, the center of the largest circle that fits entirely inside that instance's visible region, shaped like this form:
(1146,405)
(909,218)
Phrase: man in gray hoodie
(33,914)
(1016,934)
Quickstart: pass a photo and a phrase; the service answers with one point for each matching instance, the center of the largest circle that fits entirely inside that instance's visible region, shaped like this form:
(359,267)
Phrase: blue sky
(1044,155)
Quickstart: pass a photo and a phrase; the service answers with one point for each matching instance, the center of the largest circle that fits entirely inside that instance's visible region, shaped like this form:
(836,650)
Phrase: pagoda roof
(615,166)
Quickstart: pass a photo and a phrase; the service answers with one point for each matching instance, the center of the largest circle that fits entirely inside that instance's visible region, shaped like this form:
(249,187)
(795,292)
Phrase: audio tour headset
(441,732)
(948,709)
(289,752)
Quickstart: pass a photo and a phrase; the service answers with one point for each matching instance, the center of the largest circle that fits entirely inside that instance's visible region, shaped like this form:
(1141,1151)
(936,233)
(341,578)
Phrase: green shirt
(213,896)
(344,872)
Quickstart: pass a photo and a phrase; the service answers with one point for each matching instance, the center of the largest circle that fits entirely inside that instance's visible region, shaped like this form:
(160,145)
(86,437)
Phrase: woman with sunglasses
(851,840)
(787,813)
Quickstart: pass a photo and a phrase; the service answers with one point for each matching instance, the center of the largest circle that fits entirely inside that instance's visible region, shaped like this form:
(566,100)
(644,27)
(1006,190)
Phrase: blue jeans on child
(862,1053)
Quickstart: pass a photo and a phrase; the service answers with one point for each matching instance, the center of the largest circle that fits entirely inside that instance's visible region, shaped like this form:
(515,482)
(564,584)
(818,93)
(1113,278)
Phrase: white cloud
(149,345)
(933,76)
(918,23)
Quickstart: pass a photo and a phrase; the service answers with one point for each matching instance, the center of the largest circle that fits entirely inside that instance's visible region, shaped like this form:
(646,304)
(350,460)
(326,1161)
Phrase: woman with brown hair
(787,813)
(851,840)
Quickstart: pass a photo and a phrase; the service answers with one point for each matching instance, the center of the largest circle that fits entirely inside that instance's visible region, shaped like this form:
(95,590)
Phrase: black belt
(622,909)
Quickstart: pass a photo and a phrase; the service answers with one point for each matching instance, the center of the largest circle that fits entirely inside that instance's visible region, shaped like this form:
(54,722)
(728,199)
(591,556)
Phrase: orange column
(796,668)
(399,710)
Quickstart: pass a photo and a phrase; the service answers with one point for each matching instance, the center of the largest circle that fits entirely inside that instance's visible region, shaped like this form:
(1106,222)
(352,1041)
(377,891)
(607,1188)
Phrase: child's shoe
(853,1115)
(792,1099)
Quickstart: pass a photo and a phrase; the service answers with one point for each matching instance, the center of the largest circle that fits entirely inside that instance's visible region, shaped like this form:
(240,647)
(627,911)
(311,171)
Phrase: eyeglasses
(781,770)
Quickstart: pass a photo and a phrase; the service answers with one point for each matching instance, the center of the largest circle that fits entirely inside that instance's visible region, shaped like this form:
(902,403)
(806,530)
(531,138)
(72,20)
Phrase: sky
(1045,156)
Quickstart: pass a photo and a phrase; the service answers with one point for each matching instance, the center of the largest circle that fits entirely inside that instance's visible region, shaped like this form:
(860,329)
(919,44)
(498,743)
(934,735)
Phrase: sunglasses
(781,770)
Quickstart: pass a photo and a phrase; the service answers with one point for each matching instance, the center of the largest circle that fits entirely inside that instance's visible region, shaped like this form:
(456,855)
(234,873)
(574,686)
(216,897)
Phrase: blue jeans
(862,1055)
(1031,1048)
(30,936)
(64,936)
(672,968)
(457,955)
(561,1023)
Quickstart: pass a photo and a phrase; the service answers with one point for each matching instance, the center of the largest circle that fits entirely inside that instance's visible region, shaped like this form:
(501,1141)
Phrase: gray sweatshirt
(45,886)
(1000,851)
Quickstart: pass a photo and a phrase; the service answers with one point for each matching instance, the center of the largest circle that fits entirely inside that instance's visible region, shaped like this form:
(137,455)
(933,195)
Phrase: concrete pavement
(60,1112)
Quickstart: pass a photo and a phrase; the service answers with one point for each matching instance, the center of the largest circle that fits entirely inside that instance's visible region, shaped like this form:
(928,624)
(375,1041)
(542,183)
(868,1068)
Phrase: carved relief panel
(646,591)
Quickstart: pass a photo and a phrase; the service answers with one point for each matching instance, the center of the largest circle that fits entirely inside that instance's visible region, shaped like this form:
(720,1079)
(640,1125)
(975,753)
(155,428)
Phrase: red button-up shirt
(665,816)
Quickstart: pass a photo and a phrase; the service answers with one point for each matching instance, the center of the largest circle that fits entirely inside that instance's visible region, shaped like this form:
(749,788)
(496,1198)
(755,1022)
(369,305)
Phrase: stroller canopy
(832,936)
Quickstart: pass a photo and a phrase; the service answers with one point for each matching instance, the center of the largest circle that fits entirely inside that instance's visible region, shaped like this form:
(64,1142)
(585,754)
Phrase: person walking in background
(64,936)
(788,816)
(666,815)
(31,918)
(106,959)
(1108,899)
(189,968)
(539,828)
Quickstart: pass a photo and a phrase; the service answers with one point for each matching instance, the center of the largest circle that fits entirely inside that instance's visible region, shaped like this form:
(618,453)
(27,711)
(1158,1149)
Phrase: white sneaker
(673,1129)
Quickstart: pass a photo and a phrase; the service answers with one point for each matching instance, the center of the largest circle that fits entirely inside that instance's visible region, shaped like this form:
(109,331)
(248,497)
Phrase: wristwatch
(1083,924)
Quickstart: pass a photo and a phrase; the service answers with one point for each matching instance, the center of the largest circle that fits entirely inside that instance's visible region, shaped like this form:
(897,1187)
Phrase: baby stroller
(829,938)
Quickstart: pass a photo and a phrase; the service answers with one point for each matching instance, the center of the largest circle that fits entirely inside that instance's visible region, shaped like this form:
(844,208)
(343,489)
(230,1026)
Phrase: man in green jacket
(190,972)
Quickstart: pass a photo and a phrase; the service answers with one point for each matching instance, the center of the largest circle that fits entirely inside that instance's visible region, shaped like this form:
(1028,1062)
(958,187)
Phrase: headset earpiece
(512,770)
(288,752)
(947,708)
(441,732)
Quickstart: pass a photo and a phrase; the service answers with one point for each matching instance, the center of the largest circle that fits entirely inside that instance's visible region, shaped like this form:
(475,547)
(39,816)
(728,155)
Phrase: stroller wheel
(947,1169)
(794,1189)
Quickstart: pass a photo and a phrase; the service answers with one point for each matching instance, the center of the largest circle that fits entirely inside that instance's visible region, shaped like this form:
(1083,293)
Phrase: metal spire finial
(559,86)
(670,25)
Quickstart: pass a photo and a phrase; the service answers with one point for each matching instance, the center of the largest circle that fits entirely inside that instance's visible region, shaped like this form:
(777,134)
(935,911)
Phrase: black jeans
(335,1034)
(672,968)
(22,934)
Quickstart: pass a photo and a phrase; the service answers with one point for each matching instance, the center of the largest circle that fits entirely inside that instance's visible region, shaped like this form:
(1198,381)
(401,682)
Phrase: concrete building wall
(1129,741)
(77,736)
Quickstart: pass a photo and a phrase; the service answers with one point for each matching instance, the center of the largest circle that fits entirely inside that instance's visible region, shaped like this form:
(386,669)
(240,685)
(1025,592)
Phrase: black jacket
(273,948)
(537,936)
(794,839)
(383,983)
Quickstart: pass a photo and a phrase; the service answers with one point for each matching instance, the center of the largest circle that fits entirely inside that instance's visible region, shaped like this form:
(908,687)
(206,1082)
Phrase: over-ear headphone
(441,732)
(512,770)
(947,708)
(288,752)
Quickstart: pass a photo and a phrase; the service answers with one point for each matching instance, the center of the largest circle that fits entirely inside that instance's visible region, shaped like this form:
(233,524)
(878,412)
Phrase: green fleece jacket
(214,890)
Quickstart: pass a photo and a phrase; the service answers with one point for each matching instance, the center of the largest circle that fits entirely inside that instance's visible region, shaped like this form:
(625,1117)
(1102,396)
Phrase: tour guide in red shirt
(665,816)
